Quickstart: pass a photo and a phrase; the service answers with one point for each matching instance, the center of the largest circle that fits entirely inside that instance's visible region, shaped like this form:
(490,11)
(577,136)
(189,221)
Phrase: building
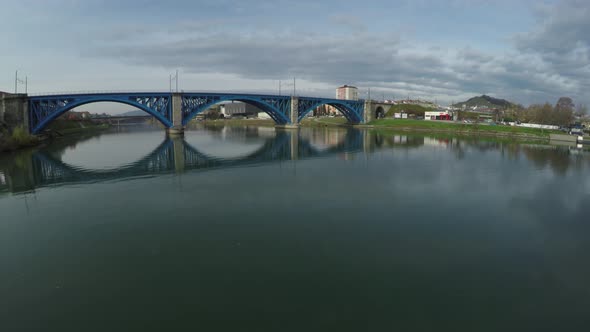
(438,115)
(347,92)
(239,109)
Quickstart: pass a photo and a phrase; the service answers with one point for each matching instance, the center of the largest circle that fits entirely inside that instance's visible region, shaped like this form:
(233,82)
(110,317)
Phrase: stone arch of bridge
(379,112)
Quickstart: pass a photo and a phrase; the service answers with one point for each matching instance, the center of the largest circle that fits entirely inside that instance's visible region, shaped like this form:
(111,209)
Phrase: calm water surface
(248,229)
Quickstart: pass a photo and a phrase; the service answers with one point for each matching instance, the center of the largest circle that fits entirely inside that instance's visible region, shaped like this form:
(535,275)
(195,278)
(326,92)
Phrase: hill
(485,101)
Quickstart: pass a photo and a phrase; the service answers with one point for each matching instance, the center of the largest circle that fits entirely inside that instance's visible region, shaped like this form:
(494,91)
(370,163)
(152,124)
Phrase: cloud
(330,47)
(352,22)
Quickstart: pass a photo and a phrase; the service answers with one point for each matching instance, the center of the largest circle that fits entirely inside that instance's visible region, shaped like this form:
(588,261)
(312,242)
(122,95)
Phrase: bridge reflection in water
(28,170)
(173,155)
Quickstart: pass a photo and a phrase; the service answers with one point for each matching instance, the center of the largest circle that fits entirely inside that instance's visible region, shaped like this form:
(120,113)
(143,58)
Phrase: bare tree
(564,111)
(565,103)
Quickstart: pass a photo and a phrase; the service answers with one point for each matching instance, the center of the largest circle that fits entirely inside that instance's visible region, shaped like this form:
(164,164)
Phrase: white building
(438,115)
(347,92)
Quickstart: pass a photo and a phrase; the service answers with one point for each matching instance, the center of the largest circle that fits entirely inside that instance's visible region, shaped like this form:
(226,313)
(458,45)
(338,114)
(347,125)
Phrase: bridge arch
(379,112)
(276,107)
(44,111)
(351,109)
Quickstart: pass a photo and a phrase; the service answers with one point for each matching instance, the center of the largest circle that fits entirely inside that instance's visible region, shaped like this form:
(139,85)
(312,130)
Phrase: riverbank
(19,139)
(422,126)
(65,127)
(408,125)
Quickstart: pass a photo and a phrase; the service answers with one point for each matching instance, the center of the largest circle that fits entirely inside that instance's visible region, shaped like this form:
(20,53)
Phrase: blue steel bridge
(174,155)
(175,110)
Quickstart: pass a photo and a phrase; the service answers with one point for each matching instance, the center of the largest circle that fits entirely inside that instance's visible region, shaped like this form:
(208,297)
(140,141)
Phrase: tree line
(563,113)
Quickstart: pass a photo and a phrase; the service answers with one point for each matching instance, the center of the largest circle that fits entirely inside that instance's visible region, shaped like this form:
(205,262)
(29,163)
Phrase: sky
(445,51)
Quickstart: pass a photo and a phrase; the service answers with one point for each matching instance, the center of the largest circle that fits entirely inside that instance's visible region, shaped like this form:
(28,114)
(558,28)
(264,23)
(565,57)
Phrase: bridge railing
(247,92)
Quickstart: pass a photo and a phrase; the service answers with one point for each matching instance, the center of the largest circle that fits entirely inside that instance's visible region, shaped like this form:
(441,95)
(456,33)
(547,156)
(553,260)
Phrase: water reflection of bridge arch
(177,155)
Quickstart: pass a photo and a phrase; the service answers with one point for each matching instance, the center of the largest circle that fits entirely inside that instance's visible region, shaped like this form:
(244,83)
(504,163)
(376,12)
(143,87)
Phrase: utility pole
(18,81)
(175,77)
(294,90)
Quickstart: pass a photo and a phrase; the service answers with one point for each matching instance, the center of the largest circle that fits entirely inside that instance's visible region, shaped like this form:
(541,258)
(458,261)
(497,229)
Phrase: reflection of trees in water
(559,159)
(396,140)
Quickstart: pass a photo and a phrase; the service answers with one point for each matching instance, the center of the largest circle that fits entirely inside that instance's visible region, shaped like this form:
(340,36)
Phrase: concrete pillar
(368,116)
(293,115)
(25,114)
(178,150)
(2,107)
(14,110)
(177,127)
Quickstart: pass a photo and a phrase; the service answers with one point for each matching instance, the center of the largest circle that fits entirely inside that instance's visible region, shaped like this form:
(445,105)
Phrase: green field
(446,126)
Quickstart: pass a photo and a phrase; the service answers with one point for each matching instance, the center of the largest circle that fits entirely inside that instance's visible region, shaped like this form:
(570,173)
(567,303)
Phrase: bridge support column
(177,128)
(14,110)
(293,115)
(368,113)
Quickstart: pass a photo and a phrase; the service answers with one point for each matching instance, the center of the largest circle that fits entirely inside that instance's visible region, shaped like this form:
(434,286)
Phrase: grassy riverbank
(407,125)
(460,128)
(18,139)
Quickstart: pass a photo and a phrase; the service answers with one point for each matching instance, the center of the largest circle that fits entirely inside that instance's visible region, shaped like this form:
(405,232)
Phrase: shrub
(21,137)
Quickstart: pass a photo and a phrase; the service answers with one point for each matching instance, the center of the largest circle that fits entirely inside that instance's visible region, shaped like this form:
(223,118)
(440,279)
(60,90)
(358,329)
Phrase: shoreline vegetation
(409,125)
(19,138)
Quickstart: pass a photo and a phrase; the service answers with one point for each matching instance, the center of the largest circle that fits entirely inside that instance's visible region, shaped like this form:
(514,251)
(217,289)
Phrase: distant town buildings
(438,115)
(74,116)
(347,92)
(242,109)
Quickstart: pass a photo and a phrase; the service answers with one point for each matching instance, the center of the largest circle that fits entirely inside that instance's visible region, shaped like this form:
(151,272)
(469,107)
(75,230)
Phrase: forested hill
(486,101)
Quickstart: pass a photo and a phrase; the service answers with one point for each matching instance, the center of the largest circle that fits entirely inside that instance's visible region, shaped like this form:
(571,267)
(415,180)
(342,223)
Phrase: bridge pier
(177,128)
(293,115)
(14,110)
(368,114)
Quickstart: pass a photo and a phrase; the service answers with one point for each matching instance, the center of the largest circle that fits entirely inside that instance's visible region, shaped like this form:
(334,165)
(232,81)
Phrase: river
(252,229)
